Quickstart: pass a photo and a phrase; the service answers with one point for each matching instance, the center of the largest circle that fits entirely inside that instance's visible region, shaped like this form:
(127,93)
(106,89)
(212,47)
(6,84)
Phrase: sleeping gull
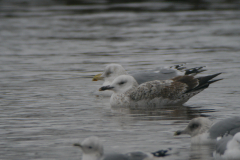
(92,149)
(154,94)
(228,148)
(204,131)
(112,71)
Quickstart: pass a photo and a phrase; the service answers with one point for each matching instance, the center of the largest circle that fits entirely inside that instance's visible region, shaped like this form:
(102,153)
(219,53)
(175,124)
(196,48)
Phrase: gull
(112,71)
(92,149)
(154,94)
(203,131)
(228,148)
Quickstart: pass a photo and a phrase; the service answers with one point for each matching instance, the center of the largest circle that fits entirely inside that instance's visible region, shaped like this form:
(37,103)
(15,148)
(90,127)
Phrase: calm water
(48,56)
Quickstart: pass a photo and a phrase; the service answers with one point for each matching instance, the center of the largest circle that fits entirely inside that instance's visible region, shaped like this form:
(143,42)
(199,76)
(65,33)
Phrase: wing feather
(158,89)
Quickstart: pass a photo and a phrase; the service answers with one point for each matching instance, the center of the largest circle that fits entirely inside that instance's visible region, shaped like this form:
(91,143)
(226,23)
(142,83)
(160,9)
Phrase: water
(48,56)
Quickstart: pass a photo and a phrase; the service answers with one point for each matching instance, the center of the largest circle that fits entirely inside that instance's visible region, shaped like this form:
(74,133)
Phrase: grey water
(49,54)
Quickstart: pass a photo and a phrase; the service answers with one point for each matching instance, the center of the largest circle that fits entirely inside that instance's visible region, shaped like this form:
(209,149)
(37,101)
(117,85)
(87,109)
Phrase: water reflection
(168,112)
(201,152)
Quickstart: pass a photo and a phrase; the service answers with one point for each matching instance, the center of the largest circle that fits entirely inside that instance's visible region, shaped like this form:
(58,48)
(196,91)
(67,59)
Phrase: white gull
(92,149)
(112,71)
(203,131)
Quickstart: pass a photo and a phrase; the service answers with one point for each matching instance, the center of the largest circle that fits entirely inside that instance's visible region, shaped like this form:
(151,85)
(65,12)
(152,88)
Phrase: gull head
(91,147)
(112,71)
(196,127)
(121,84)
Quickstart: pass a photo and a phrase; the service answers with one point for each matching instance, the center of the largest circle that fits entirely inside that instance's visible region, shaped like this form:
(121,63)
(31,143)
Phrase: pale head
(91,147)
(196,127)
(111,71)
(121,84)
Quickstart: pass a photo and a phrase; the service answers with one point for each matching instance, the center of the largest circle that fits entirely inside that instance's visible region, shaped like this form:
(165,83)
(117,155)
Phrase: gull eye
(121,83)
(90,147)
(108,73)
(194,126)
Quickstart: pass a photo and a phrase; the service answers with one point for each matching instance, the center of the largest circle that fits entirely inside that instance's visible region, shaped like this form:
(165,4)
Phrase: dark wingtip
(205,81)
(215,80)
(215,75)
(179,66)
(161,153)
(195,70)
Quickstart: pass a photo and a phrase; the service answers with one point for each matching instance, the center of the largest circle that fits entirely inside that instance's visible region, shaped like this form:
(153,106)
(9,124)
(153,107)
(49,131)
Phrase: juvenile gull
(154,94)
(204,131)
(112,71)
(228,148)
(92,149)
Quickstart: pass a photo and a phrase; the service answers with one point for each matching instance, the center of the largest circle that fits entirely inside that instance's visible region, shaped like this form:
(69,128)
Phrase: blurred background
(51,49)
(162,5)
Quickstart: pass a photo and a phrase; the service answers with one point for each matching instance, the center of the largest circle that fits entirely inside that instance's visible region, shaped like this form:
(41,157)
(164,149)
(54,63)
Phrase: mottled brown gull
(155,94)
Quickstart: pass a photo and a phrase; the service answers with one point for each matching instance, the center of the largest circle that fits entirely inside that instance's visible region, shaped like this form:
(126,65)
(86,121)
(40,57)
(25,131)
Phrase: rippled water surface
(48,56)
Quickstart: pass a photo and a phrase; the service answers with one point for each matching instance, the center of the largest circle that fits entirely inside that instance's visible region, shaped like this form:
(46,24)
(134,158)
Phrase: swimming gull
(228,148)
(112,71)
(204,131)
(92,149)
(154,94)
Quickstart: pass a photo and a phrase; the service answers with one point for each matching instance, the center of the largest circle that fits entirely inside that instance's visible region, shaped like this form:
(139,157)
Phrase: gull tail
(204,82)
(215,80)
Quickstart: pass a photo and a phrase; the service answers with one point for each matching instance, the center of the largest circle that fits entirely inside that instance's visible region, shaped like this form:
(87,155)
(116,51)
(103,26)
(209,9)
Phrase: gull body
(112,71)
(155,94)
(92,149)
(228,148)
